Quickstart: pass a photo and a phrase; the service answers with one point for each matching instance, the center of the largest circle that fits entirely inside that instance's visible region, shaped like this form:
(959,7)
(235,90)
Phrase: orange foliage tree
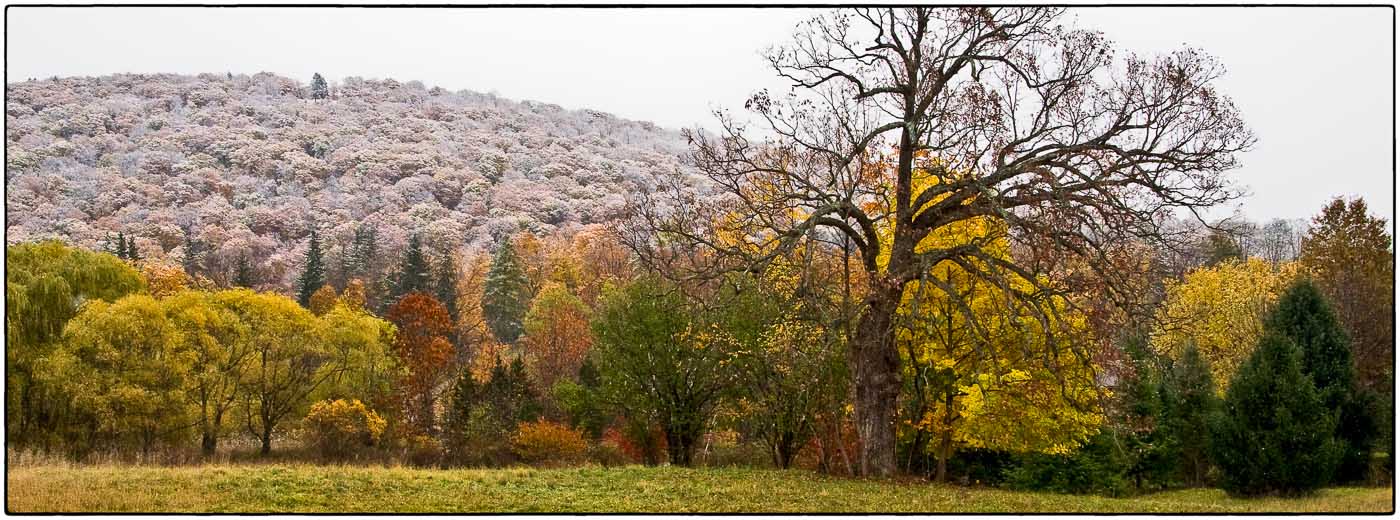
(422,346)
(557,336)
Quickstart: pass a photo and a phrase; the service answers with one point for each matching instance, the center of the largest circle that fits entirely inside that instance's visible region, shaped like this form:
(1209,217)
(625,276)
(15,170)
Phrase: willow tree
(1020,118)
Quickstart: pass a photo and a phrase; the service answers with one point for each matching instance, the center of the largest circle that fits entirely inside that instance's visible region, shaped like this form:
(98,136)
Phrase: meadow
(311,488)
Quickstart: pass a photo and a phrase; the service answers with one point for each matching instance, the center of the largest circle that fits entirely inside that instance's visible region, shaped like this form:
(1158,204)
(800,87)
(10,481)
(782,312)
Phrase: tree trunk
(945,441)
(875,366)
(266,440)
(945,450)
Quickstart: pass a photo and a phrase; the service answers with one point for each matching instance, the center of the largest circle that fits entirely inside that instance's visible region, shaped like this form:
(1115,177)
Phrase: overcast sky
(1315,84)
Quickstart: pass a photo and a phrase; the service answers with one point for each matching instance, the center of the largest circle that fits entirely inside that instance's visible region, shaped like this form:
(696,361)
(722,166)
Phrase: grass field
(296,488)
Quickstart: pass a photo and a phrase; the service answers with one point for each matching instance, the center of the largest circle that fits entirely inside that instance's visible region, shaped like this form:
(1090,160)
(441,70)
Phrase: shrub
(639,443)
(548,442)
(338,427)
(1091,469)
(1275,435)
(606,454)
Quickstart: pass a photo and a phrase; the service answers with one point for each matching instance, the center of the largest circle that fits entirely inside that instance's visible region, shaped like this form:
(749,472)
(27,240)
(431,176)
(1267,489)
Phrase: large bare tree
(1017,119)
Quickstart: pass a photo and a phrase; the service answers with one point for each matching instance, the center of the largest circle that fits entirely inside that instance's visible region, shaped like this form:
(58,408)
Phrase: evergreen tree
(445,283)
(1189,404)
(414,275)
(1275,435)
(319,89)
(131,253)
(505,294)
(313,274)
(1303,315)
(117,247)
(1149,453)
(459,421)
(243,274)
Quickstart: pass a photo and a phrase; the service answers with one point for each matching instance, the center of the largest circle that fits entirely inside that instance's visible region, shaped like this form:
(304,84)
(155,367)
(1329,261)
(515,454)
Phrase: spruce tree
(313,274)
(319,89)
(505,294)
(445,283)
(1189,404)
(415,274)
(131,253)
(1275,435)
(1304,316)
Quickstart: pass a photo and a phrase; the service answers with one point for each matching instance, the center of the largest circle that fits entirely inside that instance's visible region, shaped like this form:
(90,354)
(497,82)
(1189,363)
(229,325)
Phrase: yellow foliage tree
(972,336)
(1219,309)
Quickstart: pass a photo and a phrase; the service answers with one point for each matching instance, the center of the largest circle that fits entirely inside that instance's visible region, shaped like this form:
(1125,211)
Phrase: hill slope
(250,163)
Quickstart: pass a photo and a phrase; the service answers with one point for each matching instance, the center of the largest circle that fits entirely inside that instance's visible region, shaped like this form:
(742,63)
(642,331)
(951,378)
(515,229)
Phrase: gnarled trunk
(875,367)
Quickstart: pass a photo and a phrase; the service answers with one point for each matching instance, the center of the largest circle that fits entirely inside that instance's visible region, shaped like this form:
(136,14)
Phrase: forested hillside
(244,166)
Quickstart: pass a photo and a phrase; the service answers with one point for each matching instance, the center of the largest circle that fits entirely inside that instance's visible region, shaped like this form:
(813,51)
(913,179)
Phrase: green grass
(304,488)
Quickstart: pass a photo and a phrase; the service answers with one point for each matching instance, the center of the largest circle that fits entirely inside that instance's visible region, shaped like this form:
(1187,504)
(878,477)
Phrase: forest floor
(307,488)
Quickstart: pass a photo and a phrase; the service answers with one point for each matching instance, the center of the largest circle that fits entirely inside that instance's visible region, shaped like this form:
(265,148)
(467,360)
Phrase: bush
(336,428)
(1090,470)
(606,454)
(1275,435)
(548,442)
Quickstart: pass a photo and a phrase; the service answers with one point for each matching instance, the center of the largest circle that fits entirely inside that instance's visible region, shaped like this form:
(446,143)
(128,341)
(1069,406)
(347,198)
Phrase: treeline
(566,349)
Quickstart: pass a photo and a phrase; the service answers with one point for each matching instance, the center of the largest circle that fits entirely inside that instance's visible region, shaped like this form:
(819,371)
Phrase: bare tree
(1016,118)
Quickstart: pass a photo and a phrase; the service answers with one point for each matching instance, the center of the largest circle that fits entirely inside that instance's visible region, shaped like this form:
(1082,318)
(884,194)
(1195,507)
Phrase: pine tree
(1275,435)
(319,89)
(505,294)
(313,274)
(1189,404)
(1304,316)
(414,275)
(445,283)
(243,275)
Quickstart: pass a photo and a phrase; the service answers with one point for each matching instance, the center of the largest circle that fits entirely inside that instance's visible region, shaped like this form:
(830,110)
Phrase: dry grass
(304,488)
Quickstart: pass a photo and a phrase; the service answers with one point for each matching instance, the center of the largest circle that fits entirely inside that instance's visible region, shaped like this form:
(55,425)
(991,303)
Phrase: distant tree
(445,284)
(1350,255)
(505,294)
(1218,310)
(1275,434)
(424,350)
(1303,315)
(243,274)
(354,294)
(193,257)
(1190,403)
(415,275)
(1220,247)
(557,337)
(582,401)
(313,274)
(132,254)
(322,300)
(319,89)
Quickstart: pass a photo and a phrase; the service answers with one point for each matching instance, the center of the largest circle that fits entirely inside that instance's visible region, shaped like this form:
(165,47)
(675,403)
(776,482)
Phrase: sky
(1315,84)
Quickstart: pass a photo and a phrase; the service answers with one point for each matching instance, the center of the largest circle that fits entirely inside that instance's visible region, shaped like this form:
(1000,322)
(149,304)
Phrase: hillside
(251,163)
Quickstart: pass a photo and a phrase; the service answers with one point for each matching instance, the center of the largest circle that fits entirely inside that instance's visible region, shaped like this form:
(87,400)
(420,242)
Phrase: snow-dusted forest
(248,164)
